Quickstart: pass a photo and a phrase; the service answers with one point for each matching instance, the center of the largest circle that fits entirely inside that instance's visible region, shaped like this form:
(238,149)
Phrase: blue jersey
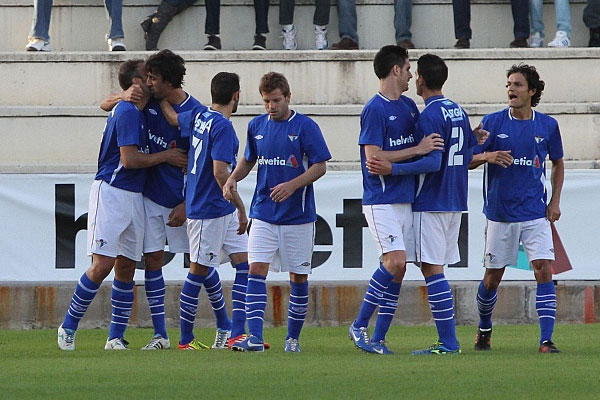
(446,189)
(165,183)
(212,137)
(390,125)
(125,126)
(518,193)
(283,151)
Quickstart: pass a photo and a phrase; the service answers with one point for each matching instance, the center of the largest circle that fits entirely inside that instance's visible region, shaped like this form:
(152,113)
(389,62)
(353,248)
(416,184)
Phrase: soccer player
(291,154)
(387,132)
(116,211)
(441,195)
(214,225)
(515,197)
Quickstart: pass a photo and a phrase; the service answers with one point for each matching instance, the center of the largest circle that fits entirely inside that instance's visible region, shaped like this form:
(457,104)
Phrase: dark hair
(168,65)
(127,71)
(433,70)
(223,86)
(387,57)
(533,80)
(274,80)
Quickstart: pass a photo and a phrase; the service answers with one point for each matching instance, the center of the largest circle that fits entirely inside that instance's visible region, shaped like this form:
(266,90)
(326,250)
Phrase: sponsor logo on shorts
(293,137)
(101,242)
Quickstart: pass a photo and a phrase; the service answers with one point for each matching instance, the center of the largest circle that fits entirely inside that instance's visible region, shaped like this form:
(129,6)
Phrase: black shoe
(483,339)
(594,37)
(406,43)
(518,43)
(345,44)
(462,43)
(548,347)
(260,42)
(214,43)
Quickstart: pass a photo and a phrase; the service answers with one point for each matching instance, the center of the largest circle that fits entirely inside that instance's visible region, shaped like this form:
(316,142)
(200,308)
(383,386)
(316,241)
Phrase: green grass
(329,367)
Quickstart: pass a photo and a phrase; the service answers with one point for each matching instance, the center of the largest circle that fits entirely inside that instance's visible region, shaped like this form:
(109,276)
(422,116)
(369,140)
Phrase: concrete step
(66,139)
(316,77)
(80,25)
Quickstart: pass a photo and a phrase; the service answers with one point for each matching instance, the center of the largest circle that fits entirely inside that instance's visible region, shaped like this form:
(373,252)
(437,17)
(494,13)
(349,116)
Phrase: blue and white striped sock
(122,302)
(377,285)
(387,308)
(188,305)
(441,303)
(214,290)
(238,300)
(256,302)
(486,300)
(298,306)
(82,298)
(545,305)
(155,293)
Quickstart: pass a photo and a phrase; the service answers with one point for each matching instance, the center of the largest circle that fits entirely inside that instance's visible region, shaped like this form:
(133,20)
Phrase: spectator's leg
(213,17)
(159,21)
(520,12)
(536,16)
(286,12)
(42,11)
(322,10)
(261,14)
(462,19)
(402,19)
(347,19)
(563,16)
(591,19)
(114,8)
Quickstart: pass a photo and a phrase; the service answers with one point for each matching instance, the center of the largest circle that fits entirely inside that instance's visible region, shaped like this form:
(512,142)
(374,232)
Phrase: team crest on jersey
(258,137)
(152,111)
(539,139)
(391,238)
(291,162)
(393,117)
(293,137)
(101,243)
(503,136)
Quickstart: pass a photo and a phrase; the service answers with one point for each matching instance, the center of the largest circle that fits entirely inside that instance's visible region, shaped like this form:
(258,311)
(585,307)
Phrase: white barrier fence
(43,219)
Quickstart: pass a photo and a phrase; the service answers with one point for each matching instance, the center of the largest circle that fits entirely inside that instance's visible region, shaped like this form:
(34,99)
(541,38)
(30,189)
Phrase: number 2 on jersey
(453,158)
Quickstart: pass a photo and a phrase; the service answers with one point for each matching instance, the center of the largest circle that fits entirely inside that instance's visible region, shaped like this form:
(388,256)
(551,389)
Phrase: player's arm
(221,173)
(425,146)
(556,179)
(131,158)
(133,94)
(169,113)
(430,163)
(502,158)
(284,190)
(240,172)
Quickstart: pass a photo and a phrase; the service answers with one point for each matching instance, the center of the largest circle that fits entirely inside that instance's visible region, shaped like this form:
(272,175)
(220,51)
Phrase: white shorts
(502,242)
(213,240)
(157,233)
(115,222)
(284,247)
(436,237)
(391,226)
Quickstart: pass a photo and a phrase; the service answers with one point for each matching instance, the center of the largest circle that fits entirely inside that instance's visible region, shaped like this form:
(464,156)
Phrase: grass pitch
(329,367)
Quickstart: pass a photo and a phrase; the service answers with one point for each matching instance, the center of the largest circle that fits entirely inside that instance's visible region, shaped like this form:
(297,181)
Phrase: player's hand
(229,188)
(177,216)
(500,157)
(481,134)
(429,144)
(378,166)
(553,211)
(176,157)
(282,191)
(243,223)
(134,94)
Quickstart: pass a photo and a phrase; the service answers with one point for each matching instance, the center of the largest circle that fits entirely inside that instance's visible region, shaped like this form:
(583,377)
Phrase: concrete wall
(331,304)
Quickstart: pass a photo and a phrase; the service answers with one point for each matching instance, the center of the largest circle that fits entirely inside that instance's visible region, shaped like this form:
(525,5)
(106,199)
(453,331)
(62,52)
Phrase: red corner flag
(561,261)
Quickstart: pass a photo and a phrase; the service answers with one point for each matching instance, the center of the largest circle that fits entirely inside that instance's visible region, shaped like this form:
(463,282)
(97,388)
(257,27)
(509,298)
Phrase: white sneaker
(66,339)
(289,38)
(116,44)
(221,338)
(116,344)
(157,343)
(560,40)
(321,38)
(536,40)
(35,44)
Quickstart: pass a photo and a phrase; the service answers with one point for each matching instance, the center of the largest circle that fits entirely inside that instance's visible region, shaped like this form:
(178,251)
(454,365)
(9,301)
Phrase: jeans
(347,19)
(42,10)
(261,15)
(321,16)
(462,18)
(591,14)
(563,16)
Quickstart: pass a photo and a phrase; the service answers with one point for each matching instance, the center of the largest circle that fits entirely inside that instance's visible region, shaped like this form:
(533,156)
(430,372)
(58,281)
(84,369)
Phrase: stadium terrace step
(80,25)
(74,133)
